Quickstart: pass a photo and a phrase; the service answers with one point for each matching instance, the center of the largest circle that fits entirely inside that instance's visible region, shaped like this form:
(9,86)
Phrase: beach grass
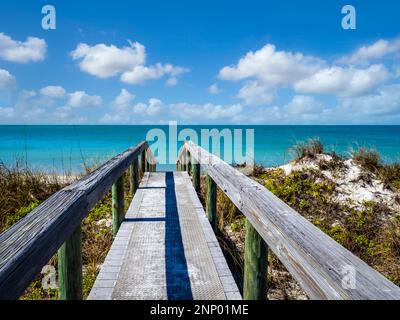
(22,190)
(370,231)
(362,230)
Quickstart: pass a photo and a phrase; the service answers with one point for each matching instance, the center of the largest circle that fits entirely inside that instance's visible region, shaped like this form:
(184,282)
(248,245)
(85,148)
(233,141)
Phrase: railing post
(255,265)
(118,211)
(189,164)
(196,175)
(184,161)
(70,267)
(211,202)
(143,162)
(133,176)
(147,162)
(152,165)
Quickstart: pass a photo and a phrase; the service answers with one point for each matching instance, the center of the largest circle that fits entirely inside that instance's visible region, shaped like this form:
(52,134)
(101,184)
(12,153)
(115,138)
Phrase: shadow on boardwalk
(177,274)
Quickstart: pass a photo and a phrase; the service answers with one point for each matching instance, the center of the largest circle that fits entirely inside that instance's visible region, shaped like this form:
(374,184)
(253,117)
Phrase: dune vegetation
(355,200)
(22,190)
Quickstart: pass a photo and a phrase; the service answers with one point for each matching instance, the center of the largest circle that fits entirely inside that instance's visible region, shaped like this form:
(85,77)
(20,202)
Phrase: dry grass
(307,149)
(371,162)
(231,237)
(369,159)
(371,232)
(22,190)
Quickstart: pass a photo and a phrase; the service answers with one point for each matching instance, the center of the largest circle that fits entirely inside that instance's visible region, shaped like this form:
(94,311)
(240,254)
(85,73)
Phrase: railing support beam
(143,162)
(134,176)
(147,162)
(255,265)
(211,202)
(196,175)
(70,267)
(153,166)
(118,211)
(189,163)
(184,162)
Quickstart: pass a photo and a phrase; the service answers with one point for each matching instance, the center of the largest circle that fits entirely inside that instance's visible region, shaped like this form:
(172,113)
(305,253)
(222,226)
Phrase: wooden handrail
(29,244)
(315,260)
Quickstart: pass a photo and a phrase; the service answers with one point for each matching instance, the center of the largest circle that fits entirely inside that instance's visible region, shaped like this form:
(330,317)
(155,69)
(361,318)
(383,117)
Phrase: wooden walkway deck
(165,248)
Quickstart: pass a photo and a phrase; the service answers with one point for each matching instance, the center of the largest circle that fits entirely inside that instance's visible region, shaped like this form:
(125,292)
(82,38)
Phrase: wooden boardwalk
(165,248)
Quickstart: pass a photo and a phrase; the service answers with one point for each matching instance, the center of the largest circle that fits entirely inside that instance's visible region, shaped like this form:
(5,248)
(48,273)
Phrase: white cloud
(254,93)
(123,100)
(397,72)
(115,118)
(140,74)
(6,113)
(53,92)
(377,50)
(153,107)
(214,89)
(268,70)
(303,105)
(380,107)
(51,104)
(206,111)
(129,62)
(171,82)
(302,109)
(82,99)
(31,50)
(106,61)
(272,67)
(7,80)
(24,95)
(139,108)
(385,102)
(63,114)
(344,81)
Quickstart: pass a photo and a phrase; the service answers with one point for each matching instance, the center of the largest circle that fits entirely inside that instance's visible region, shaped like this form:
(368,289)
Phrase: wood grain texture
(196,176)
(184,162)
(29,244)
(70,267)
(143,162)
(255,265)
(134,177)
(118,210)
(211,202)
(314,259)
(165,248)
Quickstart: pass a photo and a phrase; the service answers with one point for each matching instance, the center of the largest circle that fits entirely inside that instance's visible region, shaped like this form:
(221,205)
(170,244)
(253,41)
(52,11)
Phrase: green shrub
(363,231)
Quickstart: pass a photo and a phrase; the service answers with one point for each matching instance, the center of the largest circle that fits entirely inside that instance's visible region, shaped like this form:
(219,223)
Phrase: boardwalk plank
(320,265)
(166,248)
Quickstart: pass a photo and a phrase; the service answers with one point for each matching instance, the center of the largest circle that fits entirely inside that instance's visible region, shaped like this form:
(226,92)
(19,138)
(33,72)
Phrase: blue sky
(203,62)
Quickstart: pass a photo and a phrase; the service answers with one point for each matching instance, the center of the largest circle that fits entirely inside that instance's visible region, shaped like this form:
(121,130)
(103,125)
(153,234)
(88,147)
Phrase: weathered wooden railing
(323,268)
(56,225)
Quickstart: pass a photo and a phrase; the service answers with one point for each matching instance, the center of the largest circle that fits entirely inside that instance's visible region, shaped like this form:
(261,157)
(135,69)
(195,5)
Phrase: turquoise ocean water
(70,148)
